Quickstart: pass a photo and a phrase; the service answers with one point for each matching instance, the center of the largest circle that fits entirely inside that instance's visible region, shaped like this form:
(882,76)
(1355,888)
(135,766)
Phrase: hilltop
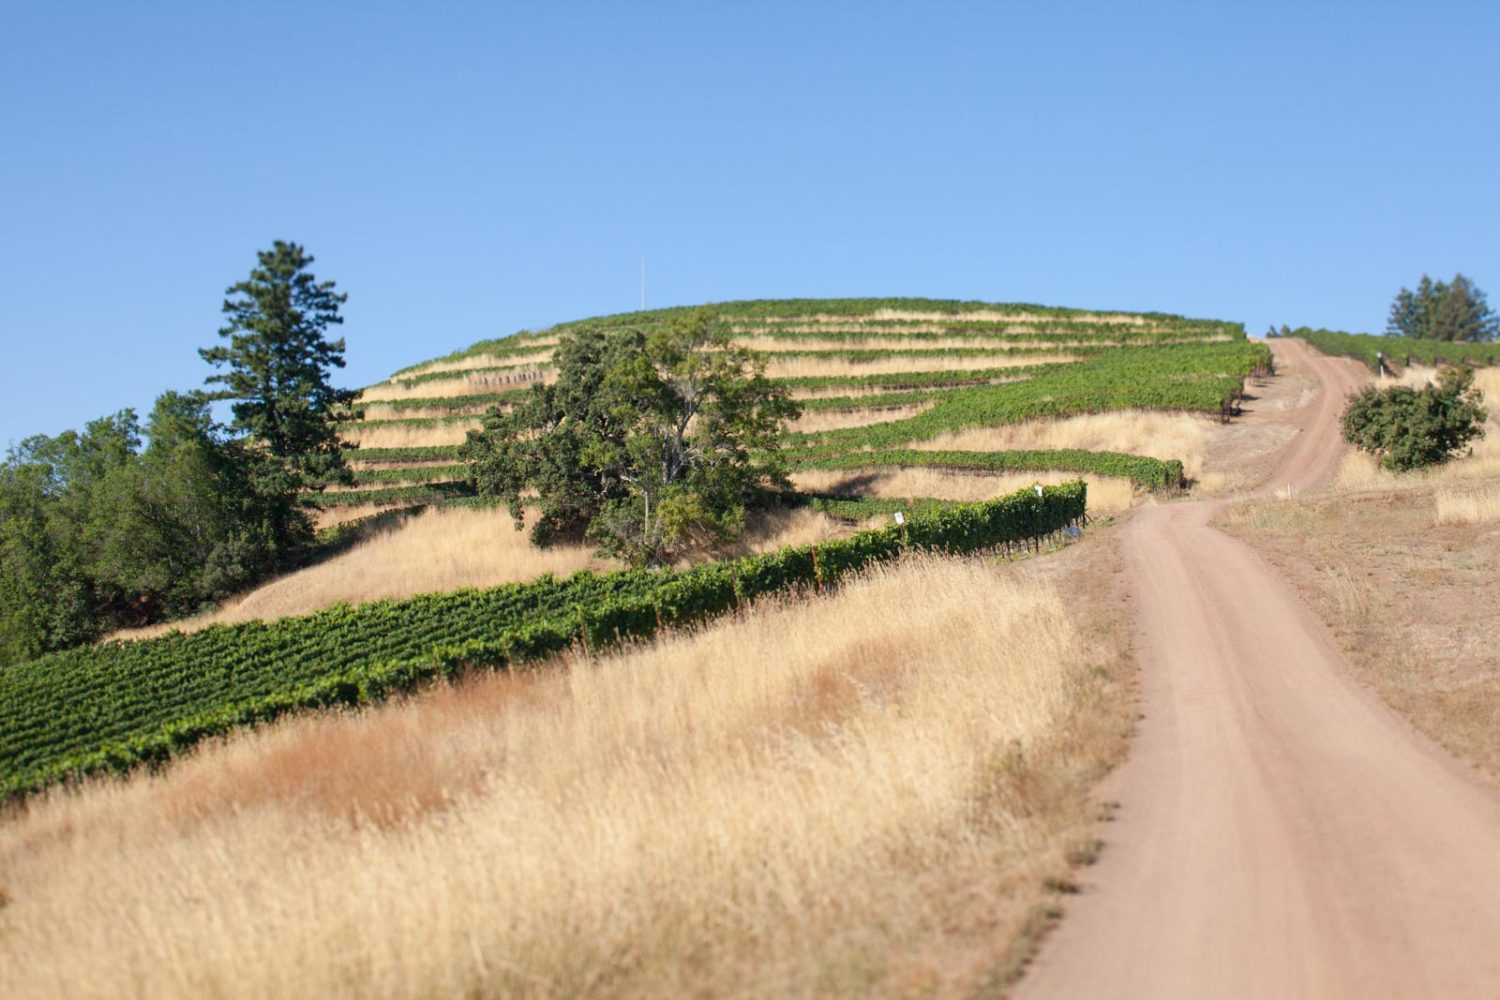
(906,402)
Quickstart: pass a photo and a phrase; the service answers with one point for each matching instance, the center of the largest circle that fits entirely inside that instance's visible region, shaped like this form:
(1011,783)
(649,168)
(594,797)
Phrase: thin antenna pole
(643,284)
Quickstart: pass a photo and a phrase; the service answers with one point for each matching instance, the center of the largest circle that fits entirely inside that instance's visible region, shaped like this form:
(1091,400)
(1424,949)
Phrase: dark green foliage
(1446,311)
(278,360)
(186,525)
(116,705)
(50,493)
(428,453)
(649,443)
(96,534)
(416,474)
(421,493)
(1411,428)
(854,508)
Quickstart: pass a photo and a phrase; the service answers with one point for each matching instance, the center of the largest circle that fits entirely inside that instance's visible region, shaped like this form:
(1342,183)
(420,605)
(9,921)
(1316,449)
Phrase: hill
(910,404)
(878,378)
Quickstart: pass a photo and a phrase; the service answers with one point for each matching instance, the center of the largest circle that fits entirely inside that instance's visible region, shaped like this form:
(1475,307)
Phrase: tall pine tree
(278,360)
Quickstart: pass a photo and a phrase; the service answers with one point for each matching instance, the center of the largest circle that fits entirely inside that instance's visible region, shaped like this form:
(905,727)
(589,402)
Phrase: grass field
(873,788)
(885,808)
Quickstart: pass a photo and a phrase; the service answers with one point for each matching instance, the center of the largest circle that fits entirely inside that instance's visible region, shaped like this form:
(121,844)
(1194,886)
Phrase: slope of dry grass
(867,795)
(543,353)
(1479,504)
(431,551)
(831,420)
(408,436)
(1410,600)
(459,385)
(439,550)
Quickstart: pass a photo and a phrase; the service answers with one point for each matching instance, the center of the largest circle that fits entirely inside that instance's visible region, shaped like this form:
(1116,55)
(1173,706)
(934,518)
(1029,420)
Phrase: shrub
(1411,428)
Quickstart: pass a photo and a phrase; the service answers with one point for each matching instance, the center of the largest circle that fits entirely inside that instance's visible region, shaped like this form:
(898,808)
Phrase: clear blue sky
(465,171)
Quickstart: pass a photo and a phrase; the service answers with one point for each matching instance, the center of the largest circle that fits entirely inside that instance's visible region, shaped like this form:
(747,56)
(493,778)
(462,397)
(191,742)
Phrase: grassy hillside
(878,378)
(889,806)
(858,773)
(912,405)
(115,705)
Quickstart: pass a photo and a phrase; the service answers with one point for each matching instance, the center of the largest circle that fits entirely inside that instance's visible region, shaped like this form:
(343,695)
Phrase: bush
(1412,428)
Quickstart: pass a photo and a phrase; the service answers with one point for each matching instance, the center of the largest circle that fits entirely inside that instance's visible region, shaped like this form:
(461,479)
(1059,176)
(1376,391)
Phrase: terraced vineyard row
(1403,351)
(1148,473)
(856,356)
(114,705)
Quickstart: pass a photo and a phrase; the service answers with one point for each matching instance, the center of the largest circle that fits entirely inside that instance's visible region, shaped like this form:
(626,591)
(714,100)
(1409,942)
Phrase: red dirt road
(1281,833)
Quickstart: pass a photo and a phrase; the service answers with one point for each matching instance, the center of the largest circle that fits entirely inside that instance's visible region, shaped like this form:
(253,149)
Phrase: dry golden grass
(1487,380)
(1409,600)
(407,435)
(542,355)
(832,420)
(329,516)
(1106,494)
(434,550)
(469,385)
(859,796)
(441,550)
(435,463)
(1479,505)
(378,412)
(1415,376)
(1135,432)
(798,367)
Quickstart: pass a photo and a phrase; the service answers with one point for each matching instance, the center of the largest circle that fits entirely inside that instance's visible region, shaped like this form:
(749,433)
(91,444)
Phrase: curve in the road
(1280,833)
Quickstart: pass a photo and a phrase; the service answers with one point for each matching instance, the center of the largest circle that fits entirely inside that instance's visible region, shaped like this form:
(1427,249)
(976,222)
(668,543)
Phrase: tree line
(127,523)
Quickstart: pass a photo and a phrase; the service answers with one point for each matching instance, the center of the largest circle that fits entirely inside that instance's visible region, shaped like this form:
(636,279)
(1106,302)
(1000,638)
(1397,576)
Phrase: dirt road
(1280,832)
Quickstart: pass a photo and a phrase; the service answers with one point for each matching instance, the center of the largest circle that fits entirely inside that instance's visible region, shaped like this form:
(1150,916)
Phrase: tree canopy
(98,532)
(279,357)
(1408,428)
(277,379)
(649,444)
(1440,310)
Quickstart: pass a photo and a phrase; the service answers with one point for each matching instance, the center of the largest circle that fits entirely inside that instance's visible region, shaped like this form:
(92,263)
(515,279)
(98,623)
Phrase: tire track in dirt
(1281,833)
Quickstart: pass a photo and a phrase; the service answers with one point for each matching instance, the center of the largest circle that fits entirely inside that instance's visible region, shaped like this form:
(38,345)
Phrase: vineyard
(963,365)
(887,386)
(1403,351)
(114,706)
